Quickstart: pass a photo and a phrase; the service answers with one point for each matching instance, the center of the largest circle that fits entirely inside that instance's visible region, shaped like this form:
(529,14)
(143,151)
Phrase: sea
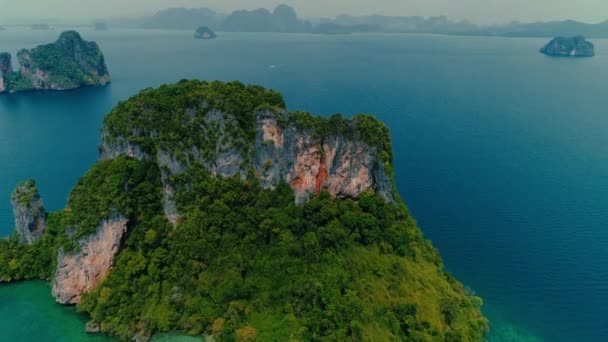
(501,153)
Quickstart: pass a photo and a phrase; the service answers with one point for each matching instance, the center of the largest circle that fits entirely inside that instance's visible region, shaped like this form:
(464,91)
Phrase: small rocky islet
(69,63)
(576,46)
(205,33)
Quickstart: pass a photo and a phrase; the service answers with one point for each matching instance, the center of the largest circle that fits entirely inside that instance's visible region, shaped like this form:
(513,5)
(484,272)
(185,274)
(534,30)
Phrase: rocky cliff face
(81,271)
(6,68)
(28,209)
(569,47)
(69,63)
(344,166)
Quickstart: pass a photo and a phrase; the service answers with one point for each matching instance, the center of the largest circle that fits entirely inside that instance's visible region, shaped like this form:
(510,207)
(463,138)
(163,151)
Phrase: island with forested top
(215,212)
(569,47)
(69,63)
(204,32)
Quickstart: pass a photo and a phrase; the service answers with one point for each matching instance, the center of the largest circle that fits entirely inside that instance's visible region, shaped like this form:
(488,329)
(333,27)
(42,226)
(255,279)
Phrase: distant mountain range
(282,19)
(549,29)
(182,19)
(285,19)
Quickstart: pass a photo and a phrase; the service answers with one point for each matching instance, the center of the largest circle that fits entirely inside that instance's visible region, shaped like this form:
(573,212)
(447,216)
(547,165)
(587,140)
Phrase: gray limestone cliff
(28,209)
(81,271)
(346,166)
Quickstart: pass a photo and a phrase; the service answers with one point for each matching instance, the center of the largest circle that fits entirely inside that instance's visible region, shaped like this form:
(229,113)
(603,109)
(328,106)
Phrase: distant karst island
(101,26)
(576,46)
(41,27)
(69,63)
(285,19)
(204,32)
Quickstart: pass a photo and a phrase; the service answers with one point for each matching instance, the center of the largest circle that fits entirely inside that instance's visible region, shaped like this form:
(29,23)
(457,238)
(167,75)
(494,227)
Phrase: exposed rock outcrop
(82,270)
(92,327)
(69,63)
(569,47)
(28,209)
(111,148)
(344,166)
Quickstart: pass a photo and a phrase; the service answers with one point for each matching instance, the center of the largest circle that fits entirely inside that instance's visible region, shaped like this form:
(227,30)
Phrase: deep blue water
(500,152)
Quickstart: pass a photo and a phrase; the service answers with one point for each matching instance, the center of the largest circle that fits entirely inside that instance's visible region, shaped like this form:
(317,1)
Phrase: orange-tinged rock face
(84,270)
(342,164)
(339,166)
(272,133)
(307,168)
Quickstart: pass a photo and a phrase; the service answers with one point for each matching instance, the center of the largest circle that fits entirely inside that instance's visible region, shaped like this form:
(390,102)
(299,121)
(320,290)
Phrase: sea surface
(500,152)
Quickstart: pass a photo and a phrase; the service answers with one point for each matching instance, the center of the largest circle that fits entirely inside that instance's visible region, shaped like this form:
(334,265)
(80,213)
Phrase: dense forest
(246,263)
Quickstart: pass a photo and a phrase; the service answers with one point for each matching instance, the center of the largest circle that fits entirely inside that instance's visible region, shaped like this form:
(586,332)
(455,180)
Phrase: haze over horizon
(477,11)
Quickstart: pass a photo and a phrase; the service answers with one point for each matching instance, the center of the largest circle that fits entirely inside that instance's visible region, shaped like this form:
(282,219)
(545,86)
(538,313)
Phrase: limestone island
(216,212)
(569,47)
(204,32)
(69,63)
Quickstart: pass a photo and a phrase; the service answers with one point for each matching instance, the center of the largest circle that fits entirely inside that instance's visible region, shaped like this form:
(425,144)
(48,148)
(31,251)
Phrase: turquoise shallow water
(500,152)
(29,313)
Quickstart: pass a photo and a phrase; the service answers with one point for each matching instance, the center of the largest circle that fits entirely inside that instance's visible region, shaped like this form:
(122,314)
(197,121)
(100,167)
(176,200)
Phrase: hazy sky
(482,11)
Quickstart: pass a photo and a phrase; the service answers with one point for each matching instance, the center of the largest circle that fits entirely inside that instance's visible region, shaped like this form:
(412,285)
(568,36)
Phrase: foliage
(16,82)
(176,115)
(176,118)
(248,263)
(123,186)
(26,192)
